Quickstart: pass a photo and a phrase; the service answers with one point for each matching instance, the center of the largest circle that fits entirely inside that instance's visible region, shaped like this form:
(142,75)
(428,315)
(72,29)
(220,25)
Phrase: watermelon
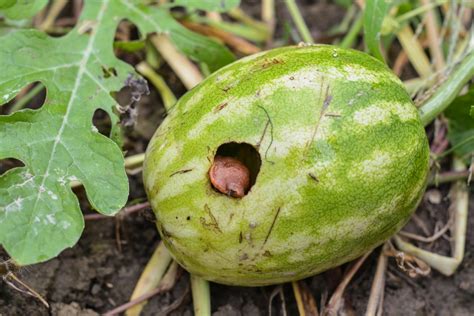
(337,156)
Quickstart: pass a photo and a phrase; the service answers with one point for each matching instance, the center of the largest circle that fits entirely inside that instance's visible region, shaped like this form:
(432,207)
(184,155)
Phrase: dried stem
(433,38)
(298,298)
(181,65)
(177,303)
(150,277)
(415,52)
(9,277)
(268,16)
(164,287)
(460,204)
(430,239)
(237,43)
(335,301)
(125,211)
(55,9)
(304,299)
(377,289)
(449,176)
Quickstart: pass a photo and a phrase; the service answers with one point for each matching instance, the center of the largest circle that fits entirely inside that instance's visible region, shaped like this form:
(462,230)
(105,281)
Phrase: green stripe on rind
(367,149)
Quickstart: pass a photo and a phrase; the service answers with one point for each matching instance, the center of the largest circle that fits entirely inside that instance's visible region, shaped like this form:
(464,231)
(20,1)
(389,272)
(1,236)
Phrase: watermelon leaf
(39,213)
(21,9)
(461,124)
(195,46)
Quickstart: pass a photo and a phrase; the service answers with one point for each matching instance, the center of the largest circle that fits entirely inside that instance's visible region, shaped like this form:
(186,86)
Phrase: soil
(100,272)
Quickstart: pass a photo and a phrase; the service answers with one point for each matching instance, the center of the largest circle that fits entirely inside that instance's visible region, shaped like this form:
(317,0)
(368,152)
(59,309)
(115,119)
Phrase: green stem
(134,161)
(446,93)
(27,98)
(299,21)
(351,36)
(201,296)
(204,69)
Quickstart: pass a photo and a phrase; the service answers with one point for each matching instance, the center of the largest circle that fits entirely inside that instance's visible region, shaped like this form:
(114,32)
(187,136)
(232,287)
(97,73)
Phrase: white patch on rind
(352,226)
(420,185)
(194,99)
(371,115)
(357,73)
(308,77)
(300,79)
(405,111)
(390,206)
(287,139)
(377,163)
(179,183)
(235,108)
(181,231)
(382,111)
(299,243)
(273,189)
(377,166)
(169,155)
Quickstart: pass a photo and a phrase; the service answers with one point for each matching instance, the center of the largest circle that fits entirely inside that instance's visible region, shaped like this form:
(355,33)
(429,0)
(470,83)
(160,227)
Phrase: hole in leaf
(235,168)
(32,96)
(128,43)
(102,123)
(109,72)
(128,98)
(9,163)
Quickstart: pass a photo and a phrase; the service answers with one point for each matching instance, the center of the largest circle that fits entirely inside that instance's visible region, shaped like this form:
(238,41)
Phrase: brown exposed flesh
(230,176)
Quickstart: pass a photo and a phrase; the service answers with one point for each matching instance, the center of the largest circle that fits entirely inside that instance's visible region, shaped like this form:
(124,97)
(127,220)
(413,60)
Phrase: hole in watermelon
(235,168)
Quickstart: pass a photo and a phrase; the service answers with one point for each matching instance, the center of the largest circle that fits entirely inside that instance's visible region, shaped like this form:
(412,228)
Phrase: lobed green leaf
(461,124)
(58,145)
(21,9)
(197,47)
(39,213)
